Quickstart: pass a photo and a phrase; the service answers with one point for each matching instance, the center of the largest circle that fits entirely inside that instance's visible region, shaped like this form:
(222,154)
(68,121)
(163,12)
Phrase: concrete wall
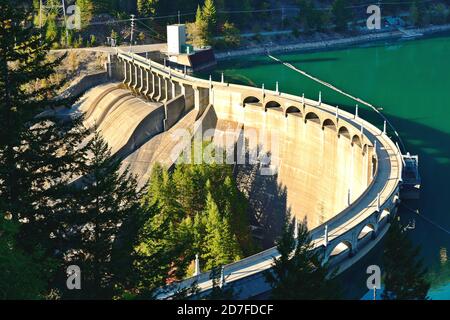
(317,167)
(174,109)
(125,121)
(84,83)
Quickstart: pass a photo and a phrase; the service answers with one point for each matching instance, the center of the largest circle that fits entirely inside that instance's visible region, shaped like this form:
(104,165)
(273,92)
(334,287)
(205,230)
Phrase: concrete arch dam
(338,171)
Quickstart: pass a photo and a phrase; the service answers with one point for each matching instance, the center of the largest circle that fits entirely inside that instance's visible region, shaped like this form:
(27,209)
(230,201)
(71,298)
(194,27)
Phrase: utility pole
(132,31)
(179,17)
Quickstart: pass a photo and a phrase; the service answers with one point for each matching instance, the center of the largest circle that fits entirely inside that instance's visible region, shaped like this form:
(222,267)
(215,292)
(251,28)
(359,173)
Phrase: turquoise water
(410,80)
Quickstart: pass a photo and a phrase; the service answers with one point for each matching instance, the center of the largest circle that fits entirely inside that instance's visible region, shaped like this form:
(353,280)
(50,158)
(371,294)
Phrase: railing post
(222,277)
(295,229)
(197,266)
(378,202)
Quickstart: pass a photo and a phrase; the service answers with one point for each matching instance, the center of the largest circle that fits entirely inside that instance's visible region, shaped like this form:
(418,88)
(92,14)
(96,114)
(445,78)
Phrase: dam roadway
(351,227)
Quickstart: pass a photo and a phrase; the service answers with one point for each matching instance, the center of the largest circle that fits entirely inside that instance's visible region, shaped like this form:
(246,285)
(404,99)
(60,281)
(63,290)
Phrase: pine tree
(221,246)
(86,11)
(163,249)
(190,180)
(38,155)
(147,7)
(234,206)
(232,36)
(201,30)
(23,63)
(298,273)
(404,274)
(416,13)
(103,199)
(51,29)
(209,15)
(157,255)
(23,275)
(51,157)
(341,14)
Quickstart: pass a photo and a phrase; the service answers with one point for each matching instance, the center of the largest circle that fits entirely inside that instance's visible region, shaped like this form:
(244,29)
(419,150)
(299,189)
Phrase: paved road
(136,49)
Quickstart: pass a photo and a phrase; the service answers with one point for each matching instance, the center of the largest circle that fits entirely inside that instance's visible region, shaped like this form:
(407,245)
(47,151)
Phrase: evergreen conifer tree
(298,273)
(103,199)
(404,274)
(209,15)
(221,245)
(38,155)
(341,14)
(86,11)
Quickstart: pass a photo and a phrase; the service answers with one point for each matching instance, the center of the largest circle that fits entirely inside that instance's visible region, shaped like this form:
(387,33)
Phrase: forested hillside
(220,22)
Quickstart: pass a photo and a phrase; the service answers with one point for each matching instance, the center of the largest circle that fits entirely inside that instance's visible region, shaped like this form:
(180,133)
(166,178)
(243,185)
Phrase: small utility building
(182,55)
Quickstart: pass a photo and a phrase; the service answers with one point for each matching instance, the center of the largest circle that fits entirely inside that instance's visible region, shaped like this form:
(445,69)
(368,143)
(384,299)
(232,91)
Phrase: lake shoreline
(323,45)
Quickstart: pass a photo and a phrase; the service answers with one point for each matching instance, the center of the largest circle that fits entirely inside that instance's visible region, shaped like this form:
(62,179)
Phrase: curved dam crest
(335,170)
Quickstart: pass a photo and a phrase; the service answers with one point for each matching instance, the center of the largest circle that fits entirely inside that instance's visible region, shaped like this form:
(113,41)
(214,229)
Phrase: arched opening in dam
(329,124)
(367,230)
(343,131)
(312,117)
(294,111)
(273,105)
(250,99)
(341,250)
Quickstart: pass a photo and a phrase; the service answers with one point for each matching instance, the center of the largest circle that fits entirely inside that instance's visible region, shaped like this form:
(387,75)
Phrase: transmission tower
(53,6)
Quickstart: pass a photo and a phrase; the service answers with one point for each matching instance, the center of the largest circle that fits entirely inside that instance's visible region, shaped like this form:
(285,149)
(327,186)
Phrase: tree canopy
(404,273)
(299,273)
